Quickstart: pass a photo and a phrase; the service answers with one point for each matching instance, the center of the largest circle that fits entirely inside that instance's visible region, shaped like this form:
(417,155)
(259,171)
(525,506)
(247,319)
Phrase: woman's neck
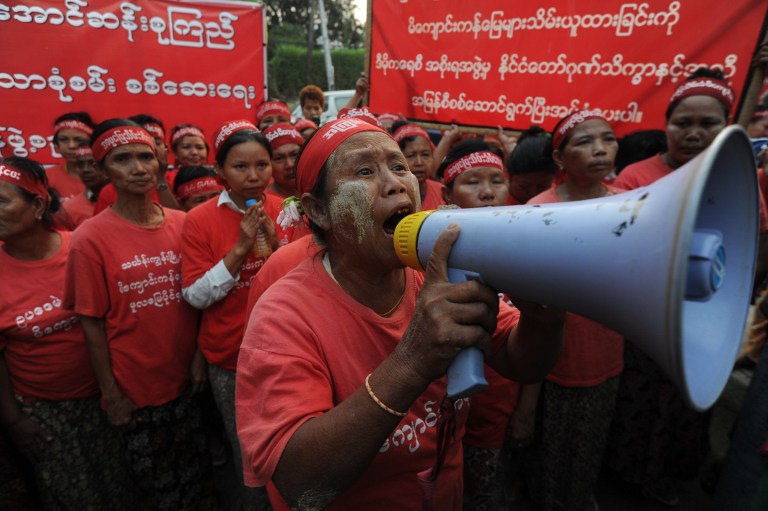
(138,209)
(669,162)
(34,245)
(377,291)
(572,190)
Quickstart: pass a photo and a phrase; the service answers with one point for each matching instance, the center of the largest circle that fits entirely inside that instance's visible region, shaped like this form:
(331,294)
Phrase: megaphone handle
(466,375)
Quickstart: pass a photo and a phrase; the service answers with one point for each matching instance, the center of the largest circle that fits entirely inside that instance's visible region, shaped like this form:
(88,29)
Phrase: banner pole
(752,91)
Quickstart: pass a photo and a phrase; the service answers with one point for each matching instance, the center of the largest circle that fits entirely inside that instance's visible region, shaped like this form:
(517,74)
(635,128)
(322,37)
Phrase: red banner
(526,62)
(182,62)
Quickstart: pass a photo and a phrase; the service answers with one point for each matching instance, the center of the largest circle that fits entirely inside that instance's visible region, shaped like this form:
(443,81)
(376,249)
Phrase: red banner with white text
(528,62)
(182,62)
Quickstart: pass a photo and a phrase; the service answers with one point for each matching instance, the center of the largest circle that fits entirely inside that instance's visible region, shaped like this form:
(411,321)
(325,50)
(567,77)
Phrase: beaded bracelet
(378,401)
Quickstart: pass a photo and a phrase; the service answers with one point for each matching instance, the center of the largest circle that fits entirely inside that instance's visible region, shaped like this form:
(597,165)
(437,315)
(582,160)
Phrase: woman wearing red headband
(70,131)
(196,185)
(81,207)
(474,177)
(188,145)
(579,394)
(48,394)
(218,260)
(656,439)
(271,112)
(124,282)
(340,389)
(417,148)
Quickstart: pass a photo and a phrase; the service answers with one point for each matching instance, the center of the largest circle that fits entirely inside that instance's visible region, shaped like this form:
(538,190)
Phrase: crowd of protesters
(164,292)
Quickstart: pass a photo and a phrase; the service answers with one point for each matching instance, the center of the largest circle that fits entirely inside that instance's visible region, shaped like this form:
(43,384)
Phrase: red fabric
(277,266)
(434,196)
(79,209)
(282,133)
(591,353)
(131,276)
(571,121)
(227,129)
(42,342)
(647,171)
(67,185)
(119,136)
(210,231)
(22,179)
(512,201)
(321,146)
(108,195)
(307,347)
(711,87)
(642,173)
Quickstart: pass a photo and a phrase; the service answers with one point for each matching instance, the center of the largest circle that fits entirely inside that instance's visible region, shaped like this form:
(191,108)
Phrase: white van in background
(335,100)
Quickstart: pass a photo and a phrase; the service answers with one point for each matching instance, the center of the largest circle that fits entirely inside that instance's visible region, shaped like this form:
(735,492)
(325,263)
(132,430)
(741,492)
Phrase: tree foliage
(343,28)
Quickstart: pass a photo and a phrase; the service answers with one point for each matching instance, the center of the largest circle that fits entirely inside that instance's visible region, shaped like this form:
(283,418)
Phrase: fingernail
(452,226)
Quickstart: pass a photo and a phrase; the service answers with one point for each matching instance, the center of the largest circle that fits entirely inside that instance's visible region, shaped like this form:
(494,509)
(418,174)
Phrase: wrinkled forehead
(367,145)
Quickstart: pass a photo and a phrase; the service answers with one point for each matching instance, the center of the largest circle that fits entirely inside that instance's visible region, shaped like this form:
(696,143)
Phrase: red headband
(118,136)
(24,180)
(272,108)
(471,161)
(571,121)
(322,145)
(712,87)
(362,113)
(228,129)
(759,114)
(71,124)
(186,130)
(155,129)
(301,124)
(282,133)
(390,117)
(197,186)
(82,151)
(412,130)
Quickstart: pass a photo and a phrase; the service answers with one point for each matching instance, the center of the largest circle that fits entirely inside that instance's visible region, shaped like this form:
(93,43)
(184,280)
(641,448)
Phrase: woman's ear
(447,195)
(39,206)
(558,158)
(316,210)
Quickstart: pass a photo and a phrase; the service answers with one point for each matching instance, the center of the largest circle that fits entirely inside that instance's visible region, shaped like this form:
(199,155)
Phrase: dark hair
(38,174)
(533,153)
(463,148)
(240,137)
(83,117)
(176,128)
(189,173)
(311,92)
(639,145)
(702,72)
(146,119)
(107,125)
(318,190)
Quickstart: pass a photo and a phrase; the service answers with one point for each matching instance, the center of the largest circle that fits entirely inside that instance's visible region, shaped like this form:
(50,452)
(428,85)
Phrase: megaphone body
(669,266)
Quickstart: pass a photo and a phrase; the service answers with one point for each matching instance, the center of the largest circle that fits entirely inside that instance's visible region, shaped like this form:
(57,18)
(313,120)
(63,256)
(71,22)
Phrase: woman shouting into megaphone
(341,375)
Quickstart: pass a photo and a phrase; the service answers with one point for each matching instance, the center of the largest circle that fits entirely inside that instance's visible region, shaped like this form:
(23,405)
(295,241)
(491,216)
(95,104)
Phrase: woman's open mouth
(391,223)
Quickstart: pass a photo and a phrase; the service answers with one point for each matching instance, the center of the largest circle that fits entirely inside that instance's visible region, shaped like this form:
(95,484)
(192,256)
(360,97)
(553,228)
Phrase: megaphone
(670,266)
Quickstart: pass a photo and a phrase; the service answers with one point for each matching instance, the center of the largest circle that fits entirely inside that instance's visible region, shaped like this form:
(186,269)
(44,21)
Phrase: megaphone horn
(669,266)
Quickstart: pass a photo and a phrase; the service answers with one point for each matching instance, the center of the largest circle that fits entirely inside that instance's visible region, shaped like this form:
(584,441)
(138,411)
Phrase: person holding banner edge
(350,375)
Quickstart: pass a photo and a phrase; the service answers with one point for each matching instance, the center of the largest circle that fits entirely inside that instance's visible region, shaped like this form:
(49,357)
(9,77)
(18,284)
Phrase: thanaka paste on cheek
(351,211)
